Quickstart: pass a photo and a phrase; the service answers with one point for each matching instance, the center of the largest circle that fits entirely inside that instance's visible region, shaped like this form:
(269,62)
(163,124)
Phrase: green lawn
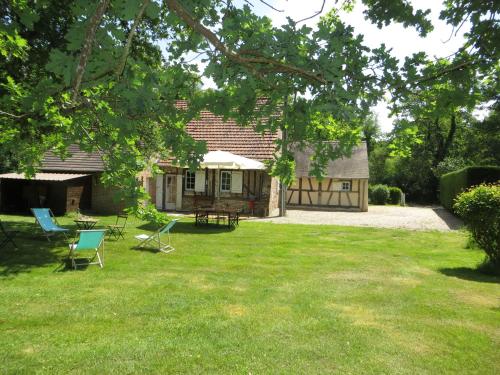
(264,298)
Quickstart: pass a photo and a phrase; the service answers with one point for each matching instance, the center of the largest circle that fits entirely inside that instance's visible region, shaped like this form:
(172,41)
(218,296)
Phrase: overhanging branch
(130,37)
(87,46)
(212,38)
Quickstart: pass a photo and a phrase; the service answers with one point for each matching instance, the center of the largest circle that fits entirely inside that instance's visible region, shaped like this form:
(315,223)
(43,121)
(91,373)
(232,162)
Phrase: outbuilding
(344,185)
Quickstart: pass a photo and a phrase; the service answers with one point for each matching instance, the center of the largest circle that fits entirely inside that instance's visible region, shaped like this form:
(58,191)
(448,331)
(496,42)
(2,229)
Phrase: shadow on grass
(470,274)
(33,249)
(66,266)
(189,227)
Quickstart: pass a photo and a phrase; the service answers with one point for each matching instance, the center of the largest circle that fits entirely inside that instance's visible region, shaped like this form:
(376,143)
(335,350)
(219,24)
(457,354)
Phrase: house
(249,189)
(345,185)
(63,185)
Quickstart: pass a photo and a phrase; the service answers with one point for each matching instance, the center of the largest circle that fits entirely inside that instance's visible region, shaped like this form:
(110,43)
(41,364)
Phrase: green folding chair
(89,240)
(118,229)
(48,222)
(154,240)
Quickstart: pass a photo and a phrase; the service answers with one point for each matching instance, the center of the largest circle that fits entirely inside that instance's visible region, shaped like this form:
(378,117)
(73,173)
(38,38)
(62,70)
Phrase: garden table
(205,216)
(86,223)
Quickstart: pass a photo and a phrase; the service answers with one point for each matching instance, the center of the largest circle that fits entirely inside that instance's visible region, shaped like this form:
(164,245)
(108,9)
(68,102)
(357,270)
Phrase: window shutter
(237,182)
(199,182)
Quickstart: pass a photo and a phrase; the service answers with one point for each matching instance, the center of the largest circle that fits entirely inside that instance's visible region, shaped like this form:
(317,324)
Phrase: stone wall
(274,195)
(261,207)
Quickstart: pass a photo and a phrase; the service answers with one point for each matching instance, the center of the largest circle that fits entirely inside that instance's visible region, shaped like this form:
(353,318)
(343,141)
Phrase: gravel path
(418,218)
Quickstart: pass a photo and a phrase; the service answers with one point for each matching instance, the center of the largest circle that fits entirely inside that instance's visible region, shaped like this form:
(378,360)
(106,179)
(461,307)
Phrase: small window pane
(346,186)
(225,181)
(190,178)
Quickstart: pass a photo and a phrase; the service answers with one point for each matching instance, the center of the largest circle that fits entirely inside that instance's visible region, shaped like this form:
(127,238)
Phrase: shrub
(479,207)
(452,184)
(395,195)
(370,192)
(380,194)
(150,214)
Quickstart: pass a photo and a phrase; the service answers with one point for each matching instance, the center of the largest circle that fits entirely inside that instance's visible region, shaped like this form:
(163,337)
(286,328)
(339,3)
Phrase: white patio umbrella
(228,160)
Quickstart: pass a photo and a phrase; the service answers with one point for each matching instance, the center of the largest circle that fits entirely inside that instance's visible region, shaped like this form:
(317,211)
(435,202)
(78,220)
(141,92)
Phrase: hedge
(454,183)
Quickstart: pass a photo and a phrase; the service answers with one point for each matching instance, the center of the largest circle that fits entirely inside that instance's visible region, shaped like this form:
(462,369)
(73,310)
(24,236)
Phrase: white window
(225,181)
(190,178)
(346,186)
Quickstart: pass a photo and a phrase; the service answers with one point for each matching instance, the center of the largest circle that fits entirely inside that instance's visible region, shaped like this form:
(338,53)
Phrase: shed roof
(43,176)
(355,166)
(78,161)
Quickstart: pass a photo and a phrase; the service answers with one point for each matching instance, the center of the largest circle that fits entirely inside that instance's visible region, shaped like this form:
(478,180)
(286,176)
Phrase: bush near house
(395,194)
(383,194)
(452,184)
(379,194)
(479,207)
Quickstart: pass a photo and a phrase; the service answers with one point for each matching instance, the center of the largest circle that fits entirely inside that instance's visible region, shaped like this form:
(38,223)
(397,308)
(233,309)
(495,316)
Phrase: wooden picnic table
(205,216)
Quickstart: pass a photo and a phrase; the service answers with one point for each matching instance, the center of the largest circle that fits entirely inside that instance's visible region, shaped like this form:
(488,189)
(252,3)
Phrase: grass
(264,298)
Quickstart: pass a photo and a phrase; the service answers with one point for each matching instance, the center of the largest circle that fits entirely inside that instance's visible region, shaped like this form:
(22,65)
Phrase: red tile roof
(229,136)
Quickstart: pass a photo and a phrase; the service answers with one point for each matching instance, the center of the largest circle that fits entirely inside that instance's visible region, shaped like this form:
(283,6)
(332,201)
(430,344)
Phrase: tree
(371,132)
(93,73)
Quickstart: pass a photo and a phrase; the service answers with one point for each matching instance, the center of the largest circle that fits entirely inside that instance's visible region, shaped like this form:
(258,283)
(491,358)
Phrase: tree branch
(278,66)
(437,75)
(130,37)
(87,46)
(270,6)
(12,115)
(314,15)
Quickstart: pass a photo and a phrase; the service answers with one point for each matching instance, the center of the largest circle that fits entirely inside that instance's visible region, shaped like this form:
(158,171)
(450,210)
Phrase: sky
(404,42)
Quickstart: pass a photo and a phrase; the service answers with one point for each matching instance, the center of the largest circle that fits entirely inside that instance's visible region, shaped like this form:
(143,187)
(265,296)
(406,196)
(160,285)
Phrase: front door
(166,190)
(170,191)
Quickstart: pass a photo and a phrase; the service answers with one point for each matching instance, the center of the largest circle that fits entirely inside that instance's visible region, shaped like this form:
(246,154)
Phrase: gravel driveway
(419,218)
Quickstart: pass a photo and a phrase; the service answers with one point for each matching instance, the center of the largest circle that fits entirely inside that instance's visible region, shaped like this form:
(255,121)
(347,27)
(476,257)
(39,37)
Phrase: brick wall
(73,195)
(104,199)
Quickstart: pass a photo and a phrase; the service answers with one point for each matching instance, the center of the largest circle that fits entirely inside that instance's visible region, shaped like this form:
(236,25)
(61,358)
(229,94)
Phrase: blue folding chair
(89,240)
(155,238)
(47,221)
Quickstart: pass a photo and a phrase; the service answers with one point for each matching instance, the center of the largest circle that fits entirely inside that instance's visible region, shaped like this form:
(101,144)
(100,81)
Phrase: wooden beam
(300,190)
(348,198)
(255,183)
(329,198)
(330,184)
(319,192)
(359,194)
